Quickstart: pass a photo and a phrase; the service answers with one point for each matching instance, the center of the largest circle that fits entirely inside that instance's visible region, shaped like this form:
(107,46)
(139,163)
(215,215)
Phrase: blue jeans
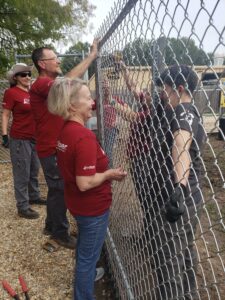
(56,221)
(91,236)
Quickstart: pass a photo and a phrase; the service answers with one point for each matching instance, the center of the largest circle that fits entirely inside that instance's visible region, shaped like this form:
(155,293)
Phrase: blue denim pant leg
(91,236)
(56,220)
(25,171)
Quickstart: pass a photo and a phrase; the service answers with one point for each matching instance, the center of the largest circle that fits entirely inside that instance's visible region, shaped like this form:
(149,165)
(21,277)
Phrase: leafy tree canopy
(25,25)
(80,50)
(184,51)
(140,52)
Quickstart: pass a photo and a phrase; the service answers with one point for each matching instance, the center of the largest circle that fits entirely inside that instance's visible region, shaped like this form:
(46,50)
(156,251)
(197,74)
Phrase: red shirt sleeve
(86,156)
(42,86)
(118,100)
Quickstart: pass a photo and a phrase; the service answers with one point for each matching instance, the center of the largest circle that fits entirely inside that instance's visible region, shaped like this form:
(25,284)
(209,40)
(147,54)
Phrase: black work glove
(5,141)
(175,206)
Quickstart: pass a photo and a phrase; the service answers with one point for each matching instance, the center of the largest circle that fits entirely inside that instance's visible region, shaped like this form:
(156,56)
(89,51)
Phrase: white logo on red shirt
(26,101)
(88,167)
(103,152)
(61,147)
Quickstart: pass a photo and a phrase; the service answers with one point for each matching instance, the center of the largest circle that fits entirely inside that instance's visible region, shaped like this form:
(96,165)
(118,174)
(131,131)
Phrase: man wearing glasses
(48,127)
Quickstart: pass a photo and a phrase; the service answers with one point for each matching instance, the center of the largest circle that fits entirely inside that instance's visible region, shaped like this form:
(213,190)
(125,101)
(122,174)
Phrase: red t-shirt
(109,115)
(140,136)
(48,126)
(18,101)
(79,154)
(109,112)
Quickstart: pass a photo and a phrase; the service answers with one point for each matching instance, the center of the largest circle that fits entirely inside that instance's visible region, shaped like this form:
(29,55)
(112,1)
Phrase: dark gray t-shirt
(186,117)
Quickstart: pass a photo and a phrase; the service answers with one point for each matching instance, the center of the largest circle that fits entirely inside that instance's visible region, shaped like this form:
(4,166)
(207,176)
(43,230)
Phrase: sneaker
(69,243)
(99,273)
(39,201)
(28,214)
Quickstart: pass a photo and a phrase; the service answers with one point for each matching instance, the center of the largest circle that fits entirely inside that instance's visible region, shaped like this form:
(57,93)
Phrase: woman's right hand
(5,141)
(116,174)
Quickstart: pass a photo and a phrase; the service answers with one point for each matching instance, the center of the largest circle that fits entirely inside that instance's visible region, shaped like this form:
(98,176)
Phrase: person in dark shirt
(165,148)
(176,190)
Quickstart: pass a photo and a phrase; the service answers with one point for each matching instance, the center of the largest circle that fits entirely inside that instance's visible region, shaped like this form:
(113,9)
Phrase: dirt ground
(210,238)
(48,275)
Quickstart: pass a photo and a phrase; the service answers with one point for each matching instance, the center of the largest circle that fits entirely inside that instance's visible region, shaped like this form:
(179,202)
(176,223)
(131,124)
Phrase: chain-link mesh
(151,257)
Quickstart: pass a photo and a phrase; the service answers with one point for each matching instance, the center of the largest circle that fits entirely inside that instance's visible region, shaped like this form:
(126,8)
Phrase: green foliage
(80,50)
(184,51)
(25,25)
(140,52)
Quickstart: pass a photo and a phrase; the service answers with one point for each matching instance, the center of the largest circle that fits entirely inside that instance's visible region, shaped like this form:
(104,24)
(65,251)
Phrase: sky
(103,7)
(210,37)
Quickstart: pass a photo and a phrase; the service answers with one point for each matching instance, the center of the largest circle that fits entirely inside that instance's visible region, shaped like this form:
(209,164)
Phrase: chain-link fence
(151,258)
(146,125)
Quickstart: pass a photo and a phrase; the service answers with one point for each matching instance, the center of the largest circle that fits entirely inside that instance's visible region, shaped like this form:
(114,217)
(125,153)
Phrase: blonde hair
(62,94)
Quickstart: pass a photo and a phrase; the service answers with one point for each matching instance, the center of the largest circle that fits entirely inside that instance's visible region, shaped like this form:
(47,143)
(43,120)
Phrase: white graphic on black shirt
(187,116)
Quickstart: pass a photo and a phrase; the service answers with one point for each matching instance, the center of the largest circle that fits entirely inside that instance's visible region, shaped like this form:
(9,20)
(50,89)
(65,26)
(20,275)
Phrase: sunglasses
(24,74)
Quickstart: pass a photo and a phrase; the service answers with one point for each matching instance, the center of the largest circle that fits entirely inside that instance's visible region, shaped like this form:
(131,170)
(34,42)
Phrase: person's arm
(180,155)
(86,183)
(6,113)
(175,207)
(124,110)
(131,85)
(80,69)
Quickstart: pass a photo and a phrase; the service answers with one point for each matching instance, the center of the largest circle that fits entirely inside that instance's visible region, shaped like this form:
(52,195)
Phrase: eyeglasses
(52,58)
(24,74)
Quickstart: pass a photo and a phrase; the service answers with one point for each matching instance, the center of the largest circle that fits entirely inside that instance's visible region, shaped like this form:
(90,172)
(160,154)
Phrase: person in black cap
(176,192)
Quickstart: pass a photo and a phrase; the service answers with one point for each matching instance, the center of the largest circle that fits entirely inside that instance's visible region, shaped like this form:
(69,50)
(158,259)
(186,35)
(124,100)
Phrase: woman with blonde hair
(83,165)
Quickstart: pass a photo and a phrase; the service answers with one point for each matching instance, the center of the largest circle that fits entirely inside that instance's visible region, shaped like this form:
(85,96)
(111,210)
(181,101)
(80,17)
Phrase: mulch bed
(48,275)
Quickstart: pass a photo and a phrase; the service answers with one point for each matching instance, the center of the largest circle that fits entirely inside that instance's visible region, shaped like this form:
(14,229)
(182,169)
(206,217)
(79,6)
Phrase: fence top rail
(59,55)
